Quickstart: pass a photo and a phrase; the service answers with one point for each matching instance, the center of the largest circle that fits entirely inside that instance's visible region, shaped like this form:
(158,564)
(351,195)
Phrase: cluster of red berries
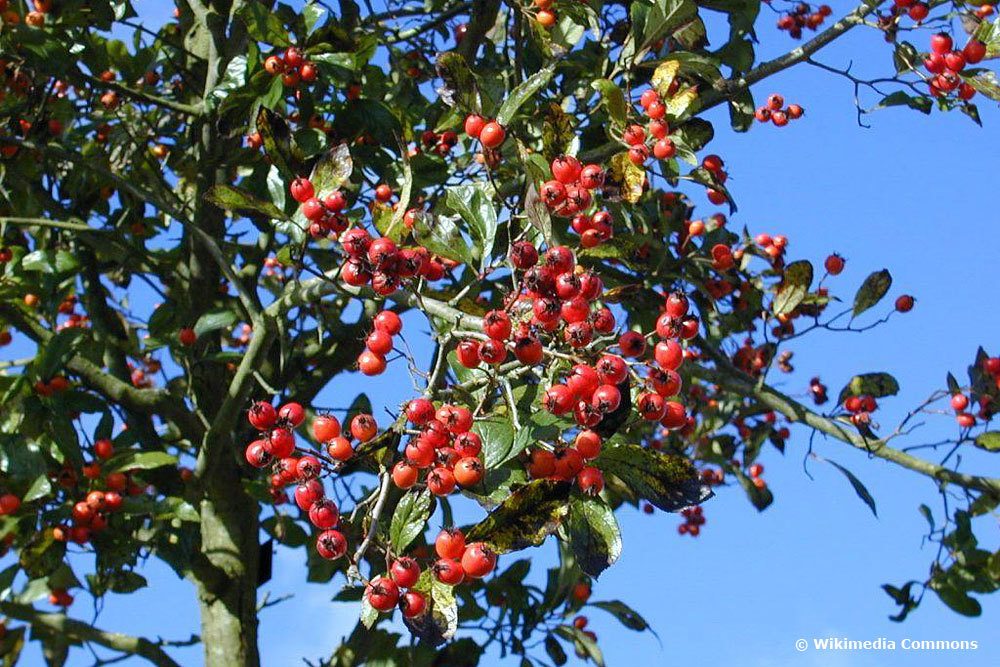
(545,16)
(379,343)
(818,391)
(140,375)
(694,519)
(292,67)
(773,111)
(713,476)
(276,446)
(490,133)
(915,9)
(860,409)
(715,167)
(803,16)
(383,264)
(555,293)
(773,246)
(57,384)
(34,18)
(441,143)
(960,402)
(457,562)
(947,64)
(325,215)
(756,471)
(752,359)
(60,597)
(658,128)
(569,194)
(445,447)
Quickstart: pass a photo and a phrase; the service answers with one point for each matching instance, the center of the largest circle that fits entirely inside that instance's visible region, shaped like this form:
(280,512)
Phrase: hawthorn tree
(205,223)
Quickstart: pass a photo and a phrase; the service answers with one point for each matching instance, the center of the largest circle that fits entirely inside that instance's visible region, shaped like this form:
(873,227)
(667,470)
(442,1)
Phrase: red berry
(302,190)
(478,560)
(262,416)
(382,593)
(292,413)
(449,571)
(405,571)
(364,427)
(450,543)
(492,135)
(474,124)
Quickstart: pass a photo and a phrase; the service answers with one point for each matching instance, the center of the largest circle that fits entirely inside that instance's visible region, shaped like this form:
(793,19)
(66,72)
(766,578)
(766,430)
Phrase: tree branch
(61,624)
(732,379)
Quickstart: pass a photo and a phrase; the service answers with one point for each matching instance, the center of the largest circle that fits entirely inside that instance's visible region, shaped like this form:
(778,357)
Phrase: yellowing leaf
(683,104)
(664,75)
(627,177)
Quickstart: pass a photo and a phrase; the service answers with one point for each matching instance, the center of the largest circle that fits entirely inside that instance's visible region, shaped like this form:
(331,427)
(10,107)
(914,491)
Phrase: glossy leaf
(409,519)
(593,533)
(875,286)
(525,519)
(668,481)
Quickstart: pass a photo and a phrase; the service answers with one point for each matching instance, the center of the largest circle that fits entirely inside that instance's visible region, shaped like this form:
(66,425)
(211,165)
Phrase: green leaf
(40,488)
(921,103)
(409,519)
(475,205)
(875,385)
(58,350)
(234,78)
(593,533)
(263,24)
(905,57)
(214,321)
(625,614)
(985,82)
(127,582)
(50,261)
(555,651)
(440,235)
(741,110)
(661,19)
(332,170)
(231,198)
(311,14)
(875,287)
(613,100)
(369,615)
(760,498)
(957,600)
(794,287)
(525,519)
(440,622)
(989,34)
(460,89)
(669,481)
(277,139)
(990,441)
(859,488)
(523,93)
(133,460)
(584,645)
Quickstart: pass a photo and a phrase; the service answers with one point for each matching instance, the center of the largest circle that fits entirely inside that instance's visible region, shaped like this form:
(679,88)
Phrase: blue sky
(909,194)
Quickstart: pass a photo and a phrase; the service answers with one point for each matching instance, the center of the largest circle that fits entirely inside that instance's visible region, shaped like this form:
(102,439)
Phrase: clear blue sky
(909,194)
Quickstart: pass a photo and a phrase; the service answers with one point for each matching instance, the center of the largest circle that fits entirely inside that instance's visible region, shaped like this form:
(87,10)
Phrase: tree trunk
(229,536)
